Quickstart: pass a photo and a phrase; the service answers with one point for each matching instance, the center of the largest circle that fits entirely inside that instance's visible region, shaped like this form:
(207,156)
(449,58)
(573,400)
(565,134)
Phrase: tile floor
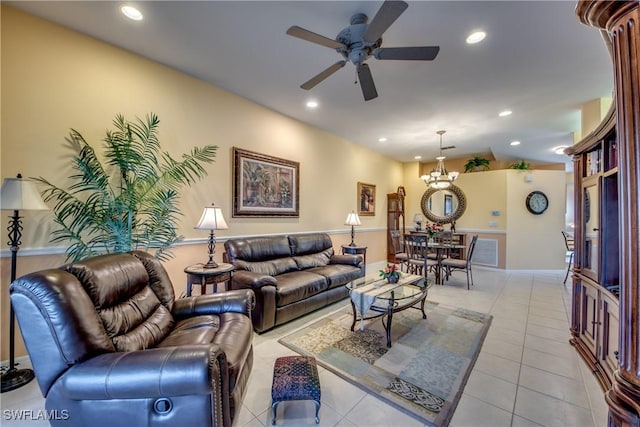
(527,374)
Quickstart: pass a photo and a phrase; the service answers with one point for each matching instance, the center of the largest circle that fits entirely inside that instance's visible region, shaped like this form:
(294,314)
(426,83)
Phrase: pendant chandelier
(439,177)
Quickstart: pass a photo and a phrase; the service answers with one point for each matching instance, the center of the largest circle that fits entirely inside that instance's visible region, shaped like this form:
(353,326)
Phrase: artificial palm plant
(128,202)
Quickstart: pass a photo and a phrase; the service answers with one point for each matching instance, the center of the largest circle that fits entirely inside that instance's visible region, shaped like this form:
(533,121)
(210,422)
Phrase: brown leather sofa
(110,345)
(290,275)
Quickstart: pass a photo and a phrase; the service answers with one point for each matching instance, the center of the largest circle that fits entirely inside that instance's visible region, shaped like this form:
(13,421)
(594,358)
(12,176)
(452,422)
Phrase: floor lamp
(17,194)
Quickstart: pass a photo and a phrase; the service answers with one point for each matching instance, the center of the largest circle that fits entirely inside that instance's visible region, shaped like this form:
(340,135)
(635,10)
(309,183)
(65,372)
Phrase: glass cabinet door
(591,221)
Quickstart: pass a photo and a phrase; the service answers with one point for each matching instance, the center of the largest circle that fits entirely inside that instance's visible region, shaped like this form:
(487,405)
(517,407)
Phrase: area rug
(425,370)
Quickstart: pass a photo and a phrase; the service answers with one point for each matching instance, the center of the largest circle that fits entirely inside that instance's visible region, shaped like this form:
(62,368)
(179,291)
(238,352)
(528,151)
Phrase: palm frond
(130,201)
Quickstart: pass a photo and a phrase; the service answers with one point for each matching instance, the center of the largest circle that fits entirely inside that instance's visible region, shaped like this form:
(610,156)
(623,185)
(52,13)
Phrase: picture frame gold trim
(366,199)
(264,186)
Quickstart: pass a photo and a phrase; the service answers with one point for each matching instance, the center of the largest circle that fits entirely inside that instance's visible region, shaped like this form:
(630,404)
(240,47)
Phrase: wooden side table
(197,274)
(355,250)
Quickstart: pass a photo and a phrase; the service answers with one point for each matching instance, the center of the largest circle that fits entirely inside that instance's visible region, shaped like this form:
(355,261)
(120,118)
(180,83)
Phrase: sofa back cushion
(272,267)
(257,249)
(312,243)
(119,288)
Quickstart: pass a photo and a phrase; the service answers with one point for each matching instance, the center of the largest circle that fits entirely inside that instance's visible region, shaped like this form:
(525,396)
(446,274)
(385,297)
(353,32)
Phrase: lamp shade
(418,218)
(352,219)
(212,219)
(20,194)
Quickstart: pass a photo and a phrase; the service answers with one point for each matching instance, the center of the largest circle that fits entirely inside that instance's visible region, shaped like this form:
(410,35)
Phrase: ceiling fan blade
(387,15)
(312,37)
(323,75)
(366,82)
(417,53)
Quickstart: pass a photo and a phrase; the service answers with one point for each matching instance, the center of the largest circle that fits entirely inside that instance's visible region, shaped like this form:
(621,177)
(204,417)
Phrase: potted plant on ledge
(476,164)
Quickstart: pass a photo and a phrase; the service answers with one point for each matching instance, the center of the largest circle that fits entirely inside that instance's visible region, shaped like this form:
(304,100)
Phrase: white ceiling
(537,61)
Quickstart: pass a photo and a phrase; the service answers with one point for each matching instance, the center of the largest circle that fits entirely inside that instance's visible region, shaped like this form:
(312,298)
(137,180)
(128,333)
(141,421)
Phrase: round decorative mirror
(443,206)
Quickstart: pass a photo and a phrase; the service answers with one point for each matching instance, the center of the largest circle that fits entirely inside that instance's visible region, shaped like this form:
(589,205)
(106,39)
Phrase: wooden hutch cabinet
(605,321)
(596,269)
(395,219)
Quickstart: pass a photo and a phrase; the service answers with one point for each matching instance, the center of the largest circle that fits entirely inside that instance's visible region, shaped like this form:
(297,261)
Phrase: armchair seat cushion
(194,330)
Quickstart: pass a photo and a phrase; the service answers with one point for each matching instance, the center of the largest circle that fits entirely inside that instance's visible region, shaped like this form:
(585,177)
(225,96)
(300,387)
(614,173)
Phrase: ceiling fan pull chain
(355,82)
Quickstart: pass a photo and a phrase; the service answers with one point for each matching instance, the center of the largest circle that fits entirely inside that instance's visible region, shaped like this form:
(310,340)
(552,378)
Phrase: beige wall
(53,79)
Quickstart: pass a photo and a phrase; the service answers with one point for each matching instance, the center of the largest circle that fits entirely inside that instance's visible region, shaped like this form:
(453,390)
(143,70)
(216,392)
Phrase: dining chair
(449,265)
(399,254)
(417,251)
(569,245)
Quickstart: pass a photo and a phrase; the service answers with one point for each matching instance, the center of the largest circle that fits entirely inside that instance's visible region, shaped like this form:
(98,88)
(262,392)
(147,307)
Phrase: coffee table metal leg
(424,315)
(353,307)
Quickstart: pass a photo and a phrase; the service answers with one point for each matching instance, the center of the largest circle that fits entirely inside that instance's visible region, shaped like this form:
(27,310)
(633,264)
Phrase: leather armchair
(111,346)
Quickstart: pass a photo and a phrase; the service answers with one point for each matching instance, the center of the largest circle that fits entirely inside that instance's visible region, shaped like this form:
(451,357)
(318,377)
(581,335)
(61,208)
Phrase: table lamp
(352,220)
(212,219)
(418,219)
(17,194)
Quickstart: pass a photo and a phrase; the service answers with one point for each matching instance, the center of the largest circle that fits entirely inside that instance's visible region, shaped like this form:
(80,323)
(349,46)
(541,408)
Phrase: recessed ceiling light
(382,139)
(560,149)
(312,104)
(417,157)
(132,13)
(505,113)
(514,143)
(476,37)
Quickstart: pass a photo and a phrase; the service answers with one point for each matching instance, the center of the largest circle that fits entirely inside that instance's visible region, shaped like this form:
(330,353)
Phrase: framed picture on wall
(366,199)
(264,186)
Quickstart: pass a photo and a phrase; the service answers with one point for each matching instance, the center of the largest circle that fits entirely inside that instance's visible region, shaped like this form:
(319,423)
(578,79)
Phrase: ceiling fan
(361,40)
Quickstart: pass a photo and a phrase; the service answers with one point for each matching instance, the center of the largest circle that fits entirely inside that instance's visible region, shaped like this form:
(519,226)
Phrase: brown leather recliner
(110,345)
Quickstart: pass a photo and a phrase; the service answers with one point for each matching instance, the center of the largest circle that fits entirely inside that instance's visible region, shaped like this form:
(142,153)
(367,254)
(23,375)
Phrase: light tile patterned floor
(527,374)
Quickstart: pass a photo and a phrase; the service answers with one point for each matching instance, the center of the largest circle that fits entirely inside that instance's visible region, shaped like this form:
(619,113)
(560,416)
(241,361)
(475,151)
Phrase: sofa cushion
(313,260)
(298,285)
(337,274)
(271,268)
(304,244)
(257,248)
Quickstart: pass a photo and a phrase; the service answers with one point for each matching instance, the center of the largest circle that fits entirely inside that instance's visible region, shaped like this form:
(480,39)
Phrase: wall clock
(537,202)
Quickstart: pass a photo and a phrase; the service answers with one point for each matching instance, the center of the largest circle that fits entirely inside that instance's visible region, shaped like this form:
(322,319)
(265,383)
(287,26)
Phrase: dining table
(441,250)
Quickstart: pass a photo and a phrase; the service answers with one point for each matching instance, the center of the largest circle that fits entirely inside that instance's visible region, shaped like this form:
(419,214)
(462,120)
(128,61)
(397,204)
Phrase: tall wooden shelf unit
(395,219)
(596,271)
(605,321)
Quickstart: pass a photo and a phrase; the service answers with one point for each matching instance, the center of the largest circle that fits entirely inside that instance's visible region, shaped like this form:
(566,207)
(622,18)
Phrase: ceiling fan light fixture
(132,13)
(476,37)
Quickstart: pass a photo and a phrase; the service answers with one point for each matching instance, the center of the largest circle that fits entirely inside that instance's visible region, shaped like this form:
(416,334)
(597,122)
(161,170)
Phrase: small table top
(354,247)
(201,270)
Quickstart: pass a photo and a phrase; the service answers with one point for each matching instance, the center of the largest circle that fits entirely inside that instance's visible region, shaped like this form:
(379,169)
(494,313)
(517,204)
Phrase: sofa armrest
(157,372)
(240,301)
(243,279)
(354,260)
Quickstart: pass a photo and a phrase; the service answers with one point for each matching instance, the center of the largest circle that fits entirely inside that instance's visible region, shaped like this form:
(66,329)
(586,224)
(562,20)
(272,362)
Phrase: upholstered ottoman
(295,378)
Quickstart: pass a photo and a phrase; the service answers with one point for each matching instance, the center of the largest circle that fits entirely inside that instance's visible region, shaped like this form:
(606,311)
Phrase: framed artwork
(366,199)
(264,186)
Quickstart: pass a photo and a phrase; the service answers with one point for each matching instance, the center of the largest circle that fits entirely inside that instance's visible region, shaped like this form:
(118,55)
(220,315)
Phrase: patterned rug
(425,370)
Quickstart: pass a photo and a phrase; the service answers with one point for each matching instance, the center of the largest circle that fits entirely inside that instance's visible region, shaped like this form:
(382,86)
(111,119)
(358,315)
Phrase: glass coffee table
(377,298)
